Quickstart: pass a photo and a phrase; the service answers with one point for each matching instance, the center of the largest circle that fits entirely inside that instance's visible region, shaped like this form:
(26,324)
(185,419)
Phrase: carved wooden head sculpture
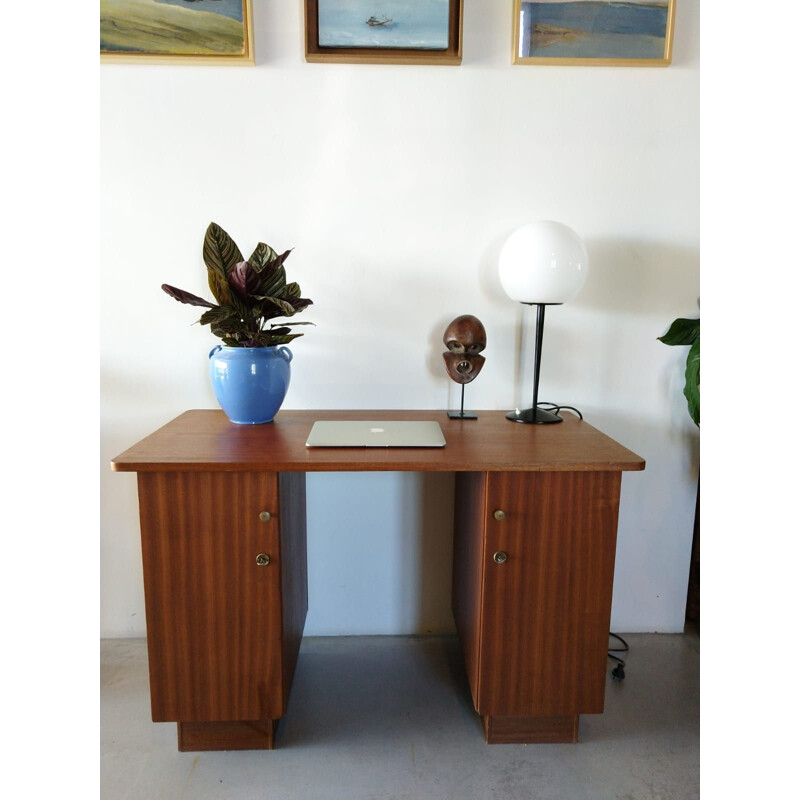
(464,339)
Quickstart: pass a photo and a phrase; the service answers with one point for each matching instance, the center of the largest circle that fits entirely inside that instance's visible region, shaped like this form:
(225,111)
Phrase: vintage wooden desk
(223,524)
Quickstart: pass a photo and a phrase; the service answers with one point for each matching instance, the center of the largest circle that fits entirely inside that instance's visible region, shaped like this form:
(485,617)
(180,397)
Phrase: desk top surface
(204,440)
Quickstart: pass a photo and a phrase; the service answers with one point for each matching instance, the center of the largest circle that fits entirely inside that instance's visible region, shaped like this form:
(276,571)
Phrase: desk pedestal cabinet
(223,525)
(224,557)
(533,571)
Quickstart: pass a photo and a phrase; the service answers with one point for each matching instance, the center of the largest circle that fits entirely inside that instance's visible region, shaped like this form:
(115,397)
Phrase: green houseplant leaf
(687,332)
(219,315)
(682,331)
(692,388)
(276,307)
(262,255)
(273,279)
(221,255)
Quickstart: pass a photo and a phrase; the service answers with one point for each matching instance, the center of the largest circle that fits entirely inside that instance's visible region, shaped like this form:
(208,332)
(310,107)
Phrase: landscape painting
(407,24)
(619,32)
(166,30)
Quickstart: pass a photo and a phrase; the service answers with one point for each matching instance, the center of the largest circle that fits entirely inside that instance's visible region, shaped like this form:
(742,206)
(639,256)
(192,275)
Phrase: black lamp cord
(618,673)
(553,408)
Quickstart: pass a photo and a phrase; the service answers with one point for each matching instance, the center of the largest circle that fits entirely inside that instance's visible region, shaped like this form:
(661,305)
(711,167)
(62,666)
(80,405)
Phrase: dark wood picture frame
(372,55)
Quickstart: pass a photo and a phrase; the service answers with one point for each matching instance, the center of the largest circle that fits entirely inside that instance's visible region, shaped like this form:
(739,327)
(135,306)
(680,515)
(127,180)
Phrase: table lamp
(542,264)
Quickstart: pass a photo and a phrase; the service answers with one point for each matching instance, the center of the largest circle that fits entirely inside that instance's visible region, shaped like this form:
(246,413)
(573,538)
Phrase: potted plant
(687,332)
(250,370)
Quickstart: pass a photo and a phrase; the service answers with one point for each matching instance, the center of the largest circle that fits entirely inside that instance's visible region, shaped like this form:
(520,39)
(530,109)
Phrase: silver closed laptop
(375,433)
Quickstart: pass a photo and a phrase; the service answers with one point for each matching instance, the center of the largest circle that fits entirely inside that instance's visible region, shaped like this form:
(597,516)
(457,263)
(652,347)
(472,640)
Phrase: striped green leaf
(221,255)
(262,255)
(292,290)
(284,309)
(218,315)
(273,281)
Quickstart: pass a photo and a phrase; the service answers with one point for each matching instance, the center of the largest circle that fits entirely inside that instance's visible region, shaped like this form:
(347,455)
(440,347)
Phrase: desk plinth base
(257,734)
(530,730)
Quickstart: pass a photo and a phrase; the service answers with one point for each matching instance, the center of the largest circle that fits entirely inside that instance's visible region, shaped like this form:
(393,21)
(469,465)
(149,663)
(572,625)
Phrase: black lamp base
(462,415)
(537,416)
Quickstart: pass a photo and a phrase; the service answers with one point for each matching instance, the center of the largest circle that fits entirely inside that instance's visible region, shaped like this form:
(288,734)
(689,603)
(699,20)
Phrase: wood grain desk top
(204,440)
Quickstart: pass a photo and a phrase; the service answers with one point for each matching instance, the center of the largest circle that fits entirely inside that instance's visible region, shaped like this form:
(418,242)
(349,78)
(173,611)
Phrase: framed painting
(177,31)
(620,33)
(384,31)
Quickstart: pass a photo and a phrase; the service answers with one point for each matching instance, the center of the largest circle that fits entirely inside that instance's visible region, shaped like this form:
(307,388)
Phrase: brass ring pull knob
(262,559)
(265,516)
(500,557)
(499,514)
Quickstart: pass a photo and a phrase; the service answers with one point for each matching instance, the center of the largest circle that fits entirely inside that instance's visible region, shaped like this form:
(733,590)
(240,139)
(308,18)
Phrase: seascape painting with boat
(594,29)
(411,24)
(173,27)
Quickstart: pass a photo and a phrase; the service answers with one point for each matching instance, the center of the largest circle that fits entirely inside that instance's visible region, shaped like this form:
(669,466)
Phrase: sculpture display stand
(462,414)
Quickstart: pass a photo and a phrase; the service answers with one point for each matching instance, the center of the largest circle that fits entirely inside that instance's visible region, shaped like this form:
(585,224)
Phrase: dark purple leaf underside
(186,297)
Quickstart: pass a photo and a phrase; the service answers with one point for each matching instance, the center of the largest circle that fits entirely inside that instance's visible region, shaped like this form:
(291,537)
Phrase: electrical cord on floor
(554,408)
(618,673)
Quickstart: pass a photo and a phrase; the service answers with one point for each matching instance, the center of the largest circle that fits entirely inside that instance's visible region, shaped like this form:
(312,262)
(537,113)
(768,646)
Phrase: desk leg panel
(468,569)
(214,615)
(294,570)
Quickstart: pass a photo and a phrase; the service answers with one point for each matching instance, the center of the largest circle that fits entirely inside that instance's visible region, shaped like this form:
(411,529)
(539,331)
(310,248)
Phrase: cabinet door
(213,611)
(546,606)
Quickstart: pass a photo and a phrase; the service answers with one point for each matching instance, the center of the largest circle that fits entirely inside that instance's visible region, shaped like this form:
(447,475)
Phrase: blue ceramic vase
(250,382)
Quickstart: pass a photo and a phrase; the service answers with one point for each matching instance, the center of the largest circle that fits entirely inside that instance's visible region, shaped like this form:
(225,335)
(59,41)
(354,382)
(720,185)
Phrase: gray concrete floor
(390,718)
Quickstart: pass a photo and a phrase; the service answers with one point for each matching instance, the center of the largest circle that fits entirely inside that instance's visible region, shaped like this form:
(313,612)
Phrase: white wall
(397,186)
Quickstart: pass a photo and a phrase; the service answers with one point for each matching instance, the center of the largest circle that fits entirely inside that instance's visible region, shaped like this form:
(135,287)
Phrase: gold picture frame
(126,25)
(321,53)
(606,33)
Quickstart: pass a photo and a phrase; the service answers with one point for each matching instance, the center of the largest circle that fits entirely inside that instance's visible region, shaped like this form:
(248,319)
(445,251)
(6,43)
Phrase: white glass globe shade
(543,262)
